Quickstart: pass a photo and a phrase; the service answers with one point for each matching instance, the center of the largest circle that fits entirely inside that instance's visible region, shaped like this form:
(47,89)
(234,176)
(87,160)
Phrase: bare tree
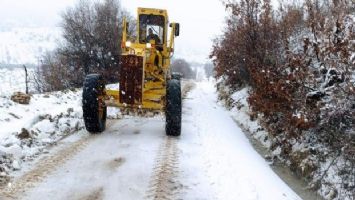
(183,67)
(92,33)
(53,73)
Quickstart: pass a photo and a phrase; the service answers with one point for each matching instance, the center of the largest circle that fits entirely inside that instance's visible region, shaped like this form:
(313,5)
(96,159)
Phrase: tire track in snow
(44,167)
(164,184)
(94,195)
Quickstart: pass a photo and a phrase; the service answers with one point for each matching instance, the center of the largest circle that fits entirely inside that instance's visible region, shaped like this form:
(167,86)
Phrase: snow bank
(239,110)
(26,130)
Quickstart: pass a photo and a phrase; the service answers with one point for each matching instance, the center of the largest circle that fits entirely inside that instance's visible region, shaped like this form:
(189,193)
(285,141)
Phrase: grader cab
(146,82)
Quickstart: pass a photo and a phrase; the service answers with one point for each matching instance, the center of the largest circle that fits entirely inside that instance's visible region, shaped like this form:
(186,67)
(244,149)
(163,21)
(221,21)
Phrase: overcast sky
(32,12)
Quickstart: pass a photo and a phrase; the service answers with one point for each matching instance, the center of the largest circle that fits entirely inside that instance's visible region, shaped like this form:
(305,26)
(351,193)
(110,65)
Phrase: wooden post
(26,78)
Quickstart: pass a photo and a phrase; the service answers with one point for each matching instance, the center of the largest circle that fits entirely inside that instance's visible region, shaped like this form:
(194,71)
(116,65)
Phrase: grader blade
(131,80)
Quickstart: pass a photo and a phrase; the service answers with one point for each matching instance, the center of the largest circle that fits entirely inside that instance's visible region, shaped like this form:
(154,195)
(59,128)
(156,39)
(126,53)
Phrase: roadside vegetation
(298,62)
(184,68)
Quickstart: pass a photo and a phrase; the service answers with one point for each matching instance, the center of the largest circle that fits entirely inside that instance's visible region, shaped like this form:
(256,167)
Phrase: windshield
(151,27)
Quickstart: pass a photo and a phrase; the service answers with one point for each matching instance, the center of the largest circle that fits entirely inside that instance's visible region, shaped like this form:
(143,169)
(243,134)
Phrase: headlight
(128,43)
(149,45)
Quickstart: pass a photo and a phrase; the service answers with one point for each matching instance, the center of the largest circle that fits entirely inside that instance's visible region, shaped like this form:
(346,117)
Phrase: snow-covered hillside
(26,45)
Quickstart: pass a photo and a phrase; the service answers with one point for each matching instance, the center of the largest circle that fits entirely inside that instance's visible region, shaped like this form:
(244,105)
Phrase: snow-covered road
(133,159)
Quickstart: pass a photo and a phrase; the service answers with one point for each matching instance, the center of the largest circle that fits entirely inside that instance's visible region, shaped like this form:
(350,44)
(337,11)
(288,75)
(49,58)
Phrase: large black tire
(173,108)
(94,109)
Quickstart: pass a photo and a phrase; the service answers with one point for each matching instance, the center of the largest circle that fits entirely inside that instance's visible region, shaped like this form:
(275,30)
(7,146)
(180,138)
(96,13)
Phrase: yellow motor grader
(146,81)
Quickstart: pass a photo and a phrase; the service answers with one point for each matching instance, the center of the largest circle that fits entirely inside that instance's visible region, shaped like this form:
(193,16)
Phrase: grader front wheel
(94,108)
(173,108)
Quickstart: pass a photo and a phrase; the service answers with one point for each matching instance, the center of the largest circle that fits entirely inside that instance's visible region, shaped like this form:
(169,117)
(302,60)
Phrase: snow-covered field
(26,45)
(133,159)
(13,80)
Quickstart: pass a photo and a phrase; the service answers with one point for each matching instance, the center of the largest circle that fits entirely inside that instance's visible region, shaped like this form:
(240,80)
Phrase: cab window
(155,23)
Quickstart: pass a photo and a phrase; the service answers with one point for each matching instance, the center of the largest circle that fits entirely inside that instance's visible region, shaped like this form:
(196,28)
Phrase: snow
(240,112)
(233,167)
(133,159)
(17,116)
(327,171)
(26,45)
(46,119)
(13,80)
(211,160)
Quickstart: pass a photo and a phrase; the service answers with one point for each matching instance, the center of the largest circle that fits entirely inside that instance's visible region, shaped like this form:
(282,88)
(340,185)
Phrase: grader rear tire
(94,108)
(173,108)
